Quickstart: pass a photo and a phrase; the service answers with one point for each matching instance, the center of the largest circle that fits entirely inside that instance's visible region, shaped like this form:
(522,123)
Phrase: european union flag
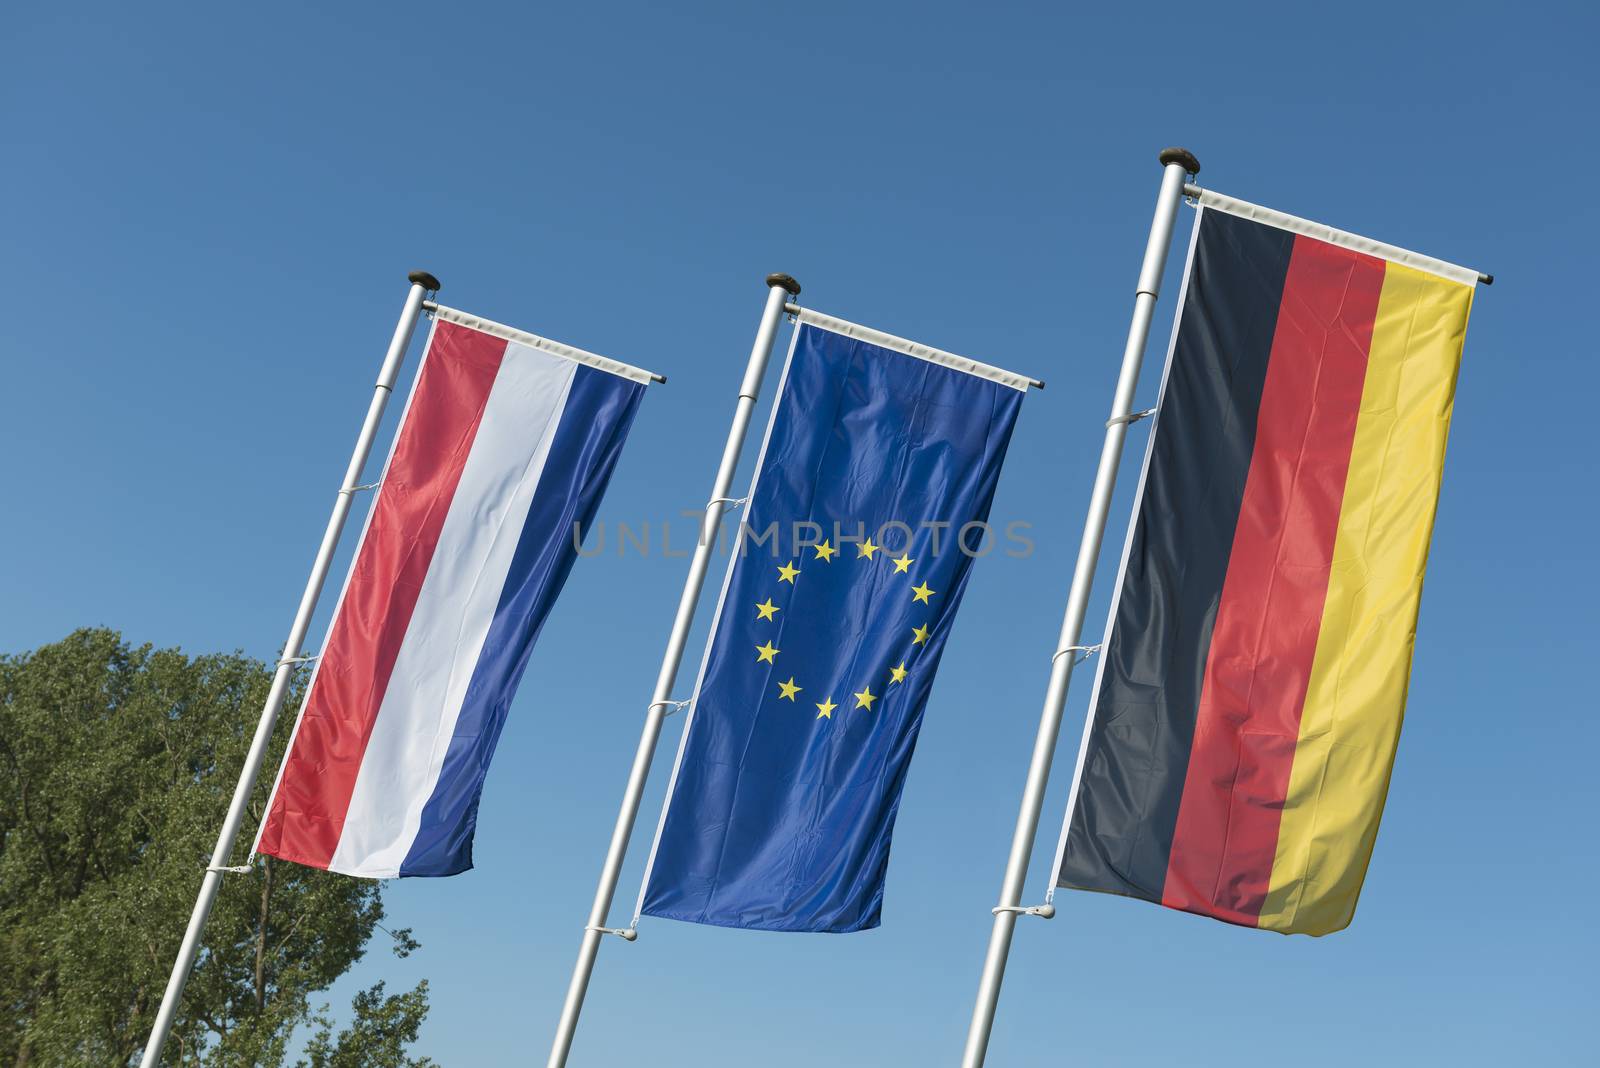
(878,466)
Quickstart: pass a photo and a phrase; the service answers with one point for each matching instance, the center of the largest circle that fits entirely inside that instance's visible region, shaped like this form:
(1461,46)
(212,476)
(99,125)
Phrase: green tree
(378,1035)
(116,766)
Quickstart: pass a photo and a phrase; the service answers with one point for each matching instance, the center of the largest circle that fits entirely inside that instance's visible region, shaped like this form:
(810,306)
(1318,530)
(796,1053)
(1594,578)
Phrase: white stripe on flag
(453,613)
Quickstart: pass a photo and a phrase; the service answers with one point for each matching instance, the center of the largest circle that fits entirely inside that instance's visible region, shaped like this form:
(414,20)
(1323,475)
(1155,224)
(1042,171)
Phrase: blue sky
(209,215)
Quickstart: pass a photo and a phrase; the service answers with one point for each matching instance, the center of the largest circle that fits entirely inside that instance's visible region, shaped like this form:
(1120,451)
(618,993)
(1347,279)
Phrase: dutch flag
(507,442)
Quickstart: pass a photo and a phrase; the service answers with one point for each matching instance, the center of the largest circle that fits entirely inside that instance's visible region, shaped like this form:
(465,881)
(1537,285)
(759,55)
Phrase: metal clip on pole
(1131,417)
(1044,912)
(627,934)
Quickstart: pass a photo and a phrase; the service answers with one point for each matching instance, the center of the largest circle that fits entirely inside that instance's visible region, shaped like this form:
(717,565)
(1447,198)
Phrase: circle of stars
(864,699)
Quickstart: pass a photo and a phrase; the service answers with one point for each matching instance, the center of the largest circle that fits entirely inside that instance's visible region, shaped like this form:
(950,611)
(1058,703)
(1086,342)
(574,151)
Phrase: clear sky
(208,218)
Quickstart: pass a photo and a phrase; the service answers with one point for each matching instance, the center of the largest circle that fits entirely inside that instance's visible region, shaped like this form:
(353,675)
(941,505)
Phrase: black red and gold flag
(1248,705)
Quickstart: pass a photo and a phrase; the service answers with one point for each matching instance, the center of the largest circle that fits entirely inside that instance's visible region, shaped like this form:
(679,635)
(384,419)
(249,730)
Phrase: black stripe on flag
(1155,658)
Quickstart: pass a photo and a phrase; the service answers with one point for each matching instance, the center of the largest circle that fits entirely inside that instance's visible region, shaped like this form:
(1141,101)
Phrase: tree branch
(261,937)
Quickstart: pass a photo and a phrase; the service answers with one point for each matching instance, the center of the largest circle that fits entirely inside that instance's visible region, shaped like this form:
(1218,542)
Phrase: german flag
(1248,704)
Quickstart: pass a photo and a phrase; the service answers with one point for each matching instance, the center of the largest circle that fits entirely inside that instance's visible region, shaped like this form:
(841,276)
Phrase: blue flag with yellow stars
(870,504)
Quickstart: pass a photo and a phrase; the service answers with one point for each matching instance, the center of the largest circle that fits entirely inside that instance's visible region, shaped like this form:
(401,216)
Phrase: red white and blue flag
(507,442)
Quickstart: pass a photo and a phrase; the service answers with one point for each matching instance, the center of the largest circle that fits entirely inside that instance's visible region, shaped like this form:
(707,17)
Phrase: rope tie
(237,869)
(358,489)
(299,659)
(735,501)
(670,706)
(1086,650)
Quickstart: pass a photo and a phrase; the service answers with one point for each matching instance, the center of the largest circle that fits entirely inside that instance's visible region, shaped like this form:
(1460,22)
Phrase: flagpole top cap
(425,280)
(786,281)
(1170,156)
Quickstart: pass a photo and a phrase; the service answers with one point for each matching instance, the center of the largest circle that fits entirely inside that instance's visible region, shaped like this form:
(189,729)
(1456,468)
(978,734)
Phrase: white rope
(1122,566)
(1086,650)
(716,623)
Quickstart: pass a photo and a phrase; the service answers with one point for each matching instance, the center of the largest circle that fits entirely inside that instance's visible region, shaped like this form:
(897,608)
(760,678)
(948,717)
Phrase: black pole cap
(1180,155)
(425,280)
(786,281)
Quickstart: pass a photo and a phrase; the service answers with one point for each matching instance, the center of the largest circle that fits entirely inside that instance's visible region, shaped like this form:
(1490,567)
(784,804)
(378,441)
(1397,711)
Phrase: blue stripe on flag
(599,411)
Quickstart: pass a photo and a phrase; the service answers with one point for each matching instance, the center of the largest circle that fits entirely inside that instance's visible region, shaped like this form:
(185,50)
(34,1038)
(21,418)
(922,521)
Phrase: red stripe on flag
(1270,611)
(319,772)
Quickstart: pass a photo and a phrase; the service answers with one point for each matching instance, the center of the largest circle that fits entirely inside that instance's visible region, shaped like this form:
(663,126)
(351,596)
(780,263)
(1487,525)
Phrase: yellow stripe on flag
(1355,702)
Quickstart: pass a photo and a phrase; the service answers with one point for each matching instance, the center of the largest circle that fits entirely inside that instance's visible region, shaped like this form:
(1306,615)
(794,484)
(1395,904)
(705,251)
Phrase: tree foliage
(377,1037)
(116,767)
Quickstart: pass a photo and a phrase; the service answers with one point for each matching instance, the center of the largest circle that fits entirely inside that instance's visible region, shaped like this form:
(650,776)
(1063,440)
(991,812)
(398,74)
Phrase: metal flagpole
(422,283)
(781,288)
(1178,164)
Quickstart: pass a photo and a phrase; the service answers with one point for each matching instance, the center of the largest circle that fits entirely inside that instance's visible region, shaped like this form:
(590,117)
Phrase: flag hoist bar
(422,285)
(780,288)
(1233,205)
(544,344)
(911,348)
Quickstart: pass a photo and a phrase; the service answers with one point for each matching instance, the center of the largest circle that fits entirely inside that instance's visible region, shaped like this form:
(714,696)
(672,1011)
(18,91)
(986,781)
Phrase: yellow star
(921,593)
(787,690)
(766,653)
(898,674)
(920,634)
(825,552)
(767,609)
(866,549)
(825,708)
(902,562)
(865,698)
(787,572)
